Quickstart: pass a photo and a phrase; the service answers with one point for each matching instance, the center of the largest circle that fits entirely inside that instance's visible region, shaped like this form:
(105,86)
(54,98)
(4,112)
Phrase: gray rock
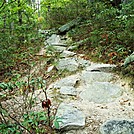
(71,117)
(55,40)
(69,64)
(69,90)
(67,54)
(67,81)
(74,47)
(44,31)
(117,127)
(72,63)
(48,32)
(55,44)
(101,67)
(129,60)
(59,48)
(83,63)
(50,48)
(89,77)
(49,69)
(101,92)
(69,25)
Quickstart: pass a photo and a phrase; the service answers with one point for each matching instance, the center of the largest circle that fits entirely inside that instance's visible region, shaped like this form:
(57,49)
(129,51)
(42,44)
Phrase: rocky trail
(92,100)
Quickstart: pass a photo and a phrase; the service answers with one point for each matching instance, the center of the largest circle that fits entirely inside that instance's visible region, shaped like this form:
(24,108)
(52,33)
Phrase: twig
(48,108)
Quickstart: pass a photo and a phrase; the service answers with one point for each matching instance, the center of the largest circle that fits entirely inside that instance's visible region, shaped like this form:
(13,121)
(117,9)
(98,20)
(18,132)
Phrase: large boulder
(117,127)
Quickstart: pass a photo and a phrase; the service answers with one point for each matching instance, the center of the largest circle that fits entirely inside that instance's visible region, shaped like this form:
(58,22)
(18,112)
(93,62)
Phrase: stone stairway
(92,100)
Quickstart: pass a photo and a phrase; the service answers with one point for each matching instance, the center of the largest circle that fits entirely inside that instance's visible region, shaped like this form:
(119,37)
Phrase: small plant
(35,122)
(57,121)
(27,121)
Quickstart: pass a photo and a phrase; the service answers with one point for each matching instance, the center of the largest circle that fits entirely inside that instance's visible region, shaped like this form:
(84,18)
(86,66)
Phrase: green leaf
(56,124)
(3,85)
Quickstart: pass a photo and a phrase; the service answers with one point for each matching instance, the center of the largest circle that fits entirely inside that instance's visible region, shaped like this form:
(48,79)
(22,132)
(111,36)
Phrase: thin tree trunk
(19,13)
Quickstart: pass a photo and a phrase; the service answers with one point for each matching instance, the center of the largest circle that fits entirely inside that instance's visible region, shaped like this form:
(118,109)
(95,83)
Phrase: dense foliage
(18,26)
(108,30)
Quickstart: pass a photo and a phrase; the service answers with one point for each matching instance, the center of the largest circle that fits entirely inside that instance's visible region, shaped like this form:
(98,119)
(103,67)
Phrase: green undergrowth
(105,33)
(18,59)
(109,34)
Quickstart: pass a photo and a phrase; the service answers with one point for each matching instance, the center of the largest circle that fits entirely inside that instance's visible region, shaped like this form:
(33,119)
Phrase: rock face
(117,127)
(71,117)
(101,92)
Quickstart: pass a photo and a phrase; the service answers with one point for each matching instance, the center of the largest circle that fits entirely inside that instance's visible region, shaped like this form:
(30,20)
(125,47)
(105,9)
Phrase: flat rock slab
(72,63)
(71,117)
(67,54)
(55,48)
(101,92)
(55,40)
(67,81)
(89,77)
(117,127)
(101,67)
(69,64)
(69,90)
(54,43)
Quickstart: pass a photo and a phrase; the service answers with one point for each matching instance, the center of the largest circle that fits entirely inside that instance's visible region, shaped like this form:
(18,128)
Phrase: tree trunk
(19,13)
